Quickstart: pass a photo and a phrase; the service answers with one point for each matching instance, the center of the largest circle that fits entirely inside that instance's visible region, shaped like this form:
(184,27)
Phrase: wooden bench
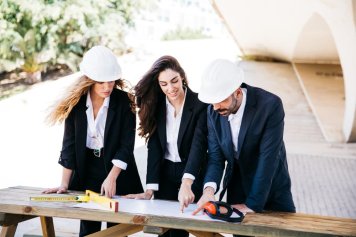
(15,207)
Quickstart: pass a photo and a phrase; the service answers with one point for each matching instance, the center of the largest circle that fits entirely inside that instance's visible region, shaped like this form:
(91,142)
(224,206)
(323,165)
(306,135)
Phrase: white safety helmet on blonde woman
(100,64)
(220,79)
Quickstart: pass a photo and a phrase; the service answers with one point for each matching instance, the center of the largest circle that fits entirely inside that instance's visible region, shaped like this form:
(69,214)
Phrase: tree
(40,33)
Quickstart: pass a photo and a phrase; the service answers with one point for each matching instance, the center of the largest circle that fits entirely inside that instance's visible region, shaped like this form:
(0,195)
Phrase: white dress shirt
(96,128)
(172,130)
(235,122)
(235,125)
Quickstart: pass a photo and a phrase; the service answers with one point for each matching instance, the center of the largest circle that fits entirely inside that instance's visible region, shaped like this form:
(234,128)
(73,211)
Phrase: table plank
(120,230)
(12,219)
(8,231)
(47,226)
(16,201)
(204,234)
(154,230)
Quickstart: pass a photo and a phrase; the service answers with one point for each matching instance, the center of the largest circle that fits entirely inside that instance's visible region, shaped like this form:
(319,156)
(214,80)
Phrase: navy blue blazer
(259,177)
(192,139)
(119,140)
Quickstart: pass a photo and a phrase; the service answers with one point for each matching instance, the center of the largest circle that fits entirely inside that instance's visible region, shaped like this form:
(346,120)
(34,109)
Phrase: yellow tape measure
(60,199)
(106,202)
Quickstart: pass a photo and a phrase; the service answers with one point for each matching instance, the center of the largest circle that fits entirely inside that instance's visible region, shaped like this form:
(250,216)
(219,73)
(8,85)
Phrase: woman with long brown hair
(99,133)
(173,121)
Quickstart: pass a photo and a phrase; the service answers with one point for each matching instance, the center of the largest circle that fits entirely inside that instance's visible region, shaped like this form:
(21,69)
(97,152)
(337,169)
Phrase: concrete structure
(311,32)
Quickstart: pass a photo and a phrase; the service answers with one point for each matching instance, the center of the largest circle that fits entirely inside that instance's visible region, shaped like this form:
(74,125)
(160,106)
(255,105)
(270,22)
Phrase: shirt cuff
(120,164)
(188,176)
(154,187)
(210,184)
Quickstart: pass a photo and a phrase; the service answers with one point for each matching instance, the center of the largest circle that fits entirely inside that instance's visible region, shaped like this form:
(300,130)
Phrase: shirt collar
(90,104)
(170,106)
(241,110)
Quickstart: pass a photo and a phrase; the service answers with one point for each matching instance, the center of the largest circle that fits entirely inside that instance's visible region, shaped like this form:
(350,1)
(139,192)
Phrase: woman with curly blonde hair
(99,133)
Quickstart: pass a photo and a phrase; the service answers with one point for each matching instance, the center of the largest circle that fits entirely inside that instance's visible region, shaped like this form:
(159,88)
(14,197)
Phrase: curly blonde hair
(81,87)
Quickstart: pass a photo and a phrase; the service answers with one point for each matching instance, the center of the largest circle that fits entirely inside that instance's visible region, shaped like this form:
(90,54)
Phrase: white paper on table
(152,207)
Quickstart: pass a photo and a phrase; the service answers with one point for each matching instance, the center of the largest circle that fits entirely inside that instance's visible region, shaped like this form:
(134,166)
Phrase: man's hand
(146,195)
(185,195)
(208,195)
(242,208)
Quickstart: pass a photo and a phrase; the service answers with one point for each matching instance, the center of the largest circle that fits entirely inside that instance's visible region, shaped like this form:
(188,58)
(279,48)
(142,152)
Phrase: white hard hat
(220,79)
(100,64)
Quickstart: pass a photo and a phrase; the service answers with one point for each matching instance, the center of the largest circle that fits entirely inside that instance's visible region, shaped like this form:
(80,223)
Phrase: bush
(39,33)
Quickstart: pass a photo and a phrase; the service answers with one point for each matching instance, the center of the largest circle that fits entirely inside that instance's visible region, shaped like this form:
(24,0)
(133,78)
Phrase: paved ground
(322,173)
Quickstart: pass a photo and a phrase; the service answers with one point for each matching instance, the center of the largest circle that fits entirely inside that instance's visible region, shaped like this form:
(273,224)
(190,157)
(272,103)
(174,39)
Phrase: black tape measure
(214,210)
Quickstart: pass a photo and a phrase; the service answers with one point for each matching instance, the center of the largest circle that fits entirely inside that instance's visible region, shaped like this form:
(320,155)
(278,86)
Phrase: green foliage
(39,33)
(184,33)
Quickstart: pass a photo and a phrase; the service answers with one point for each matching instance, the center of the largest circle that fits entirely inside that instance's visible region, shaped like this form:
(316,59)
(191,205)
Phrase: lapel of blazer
(224,135)
(248,115)
(82,126)
(226,139)
(186,116)
(161,124)
(113,104)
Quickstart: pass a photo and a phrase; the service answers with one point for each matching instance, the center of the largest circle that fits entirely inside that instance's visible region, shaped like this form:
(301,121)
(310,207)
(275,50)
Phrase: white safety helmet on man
(220,79)
(100,64)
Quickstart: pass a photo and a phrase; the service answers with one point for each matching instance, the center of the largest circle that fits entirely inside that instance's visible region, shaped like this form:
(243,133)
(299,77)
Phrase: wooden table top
(16,200)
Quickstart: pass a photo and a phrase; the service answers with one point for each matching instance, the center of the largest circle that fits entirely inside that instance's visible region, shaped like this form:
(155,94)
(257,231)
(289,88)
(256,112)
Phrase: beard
(224,112)
(232,109)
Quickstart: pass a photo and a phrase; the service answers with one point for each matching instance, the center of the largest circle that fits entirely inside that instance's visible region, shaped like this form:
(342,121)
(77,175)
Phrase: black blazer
(260,179)
(192,139)
(119,140)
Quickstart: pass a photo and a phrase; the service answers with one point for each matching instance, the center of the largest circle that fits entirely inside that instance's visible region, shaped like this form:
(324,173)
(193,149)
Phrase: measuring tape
(106,202)
(61,199)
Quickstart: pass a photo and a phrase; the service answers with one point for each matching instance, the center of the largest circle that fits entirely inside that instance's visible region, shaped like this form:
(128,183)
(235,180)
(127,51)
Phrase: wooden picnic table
(15,207)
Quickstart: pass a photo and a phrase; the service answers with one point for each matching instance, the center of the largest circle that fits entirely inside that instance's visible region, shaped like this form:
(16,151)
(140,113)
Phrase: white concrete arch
(275,28)
(321,78)
(341,20)
(315,38)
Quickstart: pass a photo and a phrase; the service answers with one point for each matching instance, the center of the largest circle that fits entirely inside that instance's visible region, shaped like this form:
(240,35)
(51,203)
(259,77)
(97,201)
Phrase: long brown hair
(79,88)
(148,93)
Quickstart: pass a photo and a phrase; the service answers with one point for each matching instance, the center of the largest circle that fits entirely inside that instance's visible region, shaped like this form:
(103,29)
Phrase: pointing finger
(181,206)
(197,210)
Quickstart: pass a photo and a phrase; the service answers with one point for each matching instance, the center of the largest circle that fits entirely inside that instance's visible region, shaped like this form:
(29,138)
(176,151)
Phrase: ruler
(90,196)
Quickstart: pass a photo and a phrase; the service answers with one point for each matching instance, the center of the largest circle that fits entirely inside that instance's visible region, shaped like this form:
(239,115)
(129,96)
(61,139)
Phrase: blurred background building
(319,38)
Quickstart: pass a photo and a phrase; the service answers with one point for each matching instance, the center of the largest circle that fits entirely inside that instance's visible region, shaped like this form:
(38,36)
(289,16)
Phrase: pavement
(322,172)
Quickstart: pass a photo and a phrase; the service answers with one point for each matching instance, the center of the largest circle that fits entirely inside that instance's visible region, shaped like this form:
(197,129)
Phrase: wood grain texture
(11,219)
(8,231)
(47,226)
(204,234)
(16,201)
(154,230)
(120,230)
